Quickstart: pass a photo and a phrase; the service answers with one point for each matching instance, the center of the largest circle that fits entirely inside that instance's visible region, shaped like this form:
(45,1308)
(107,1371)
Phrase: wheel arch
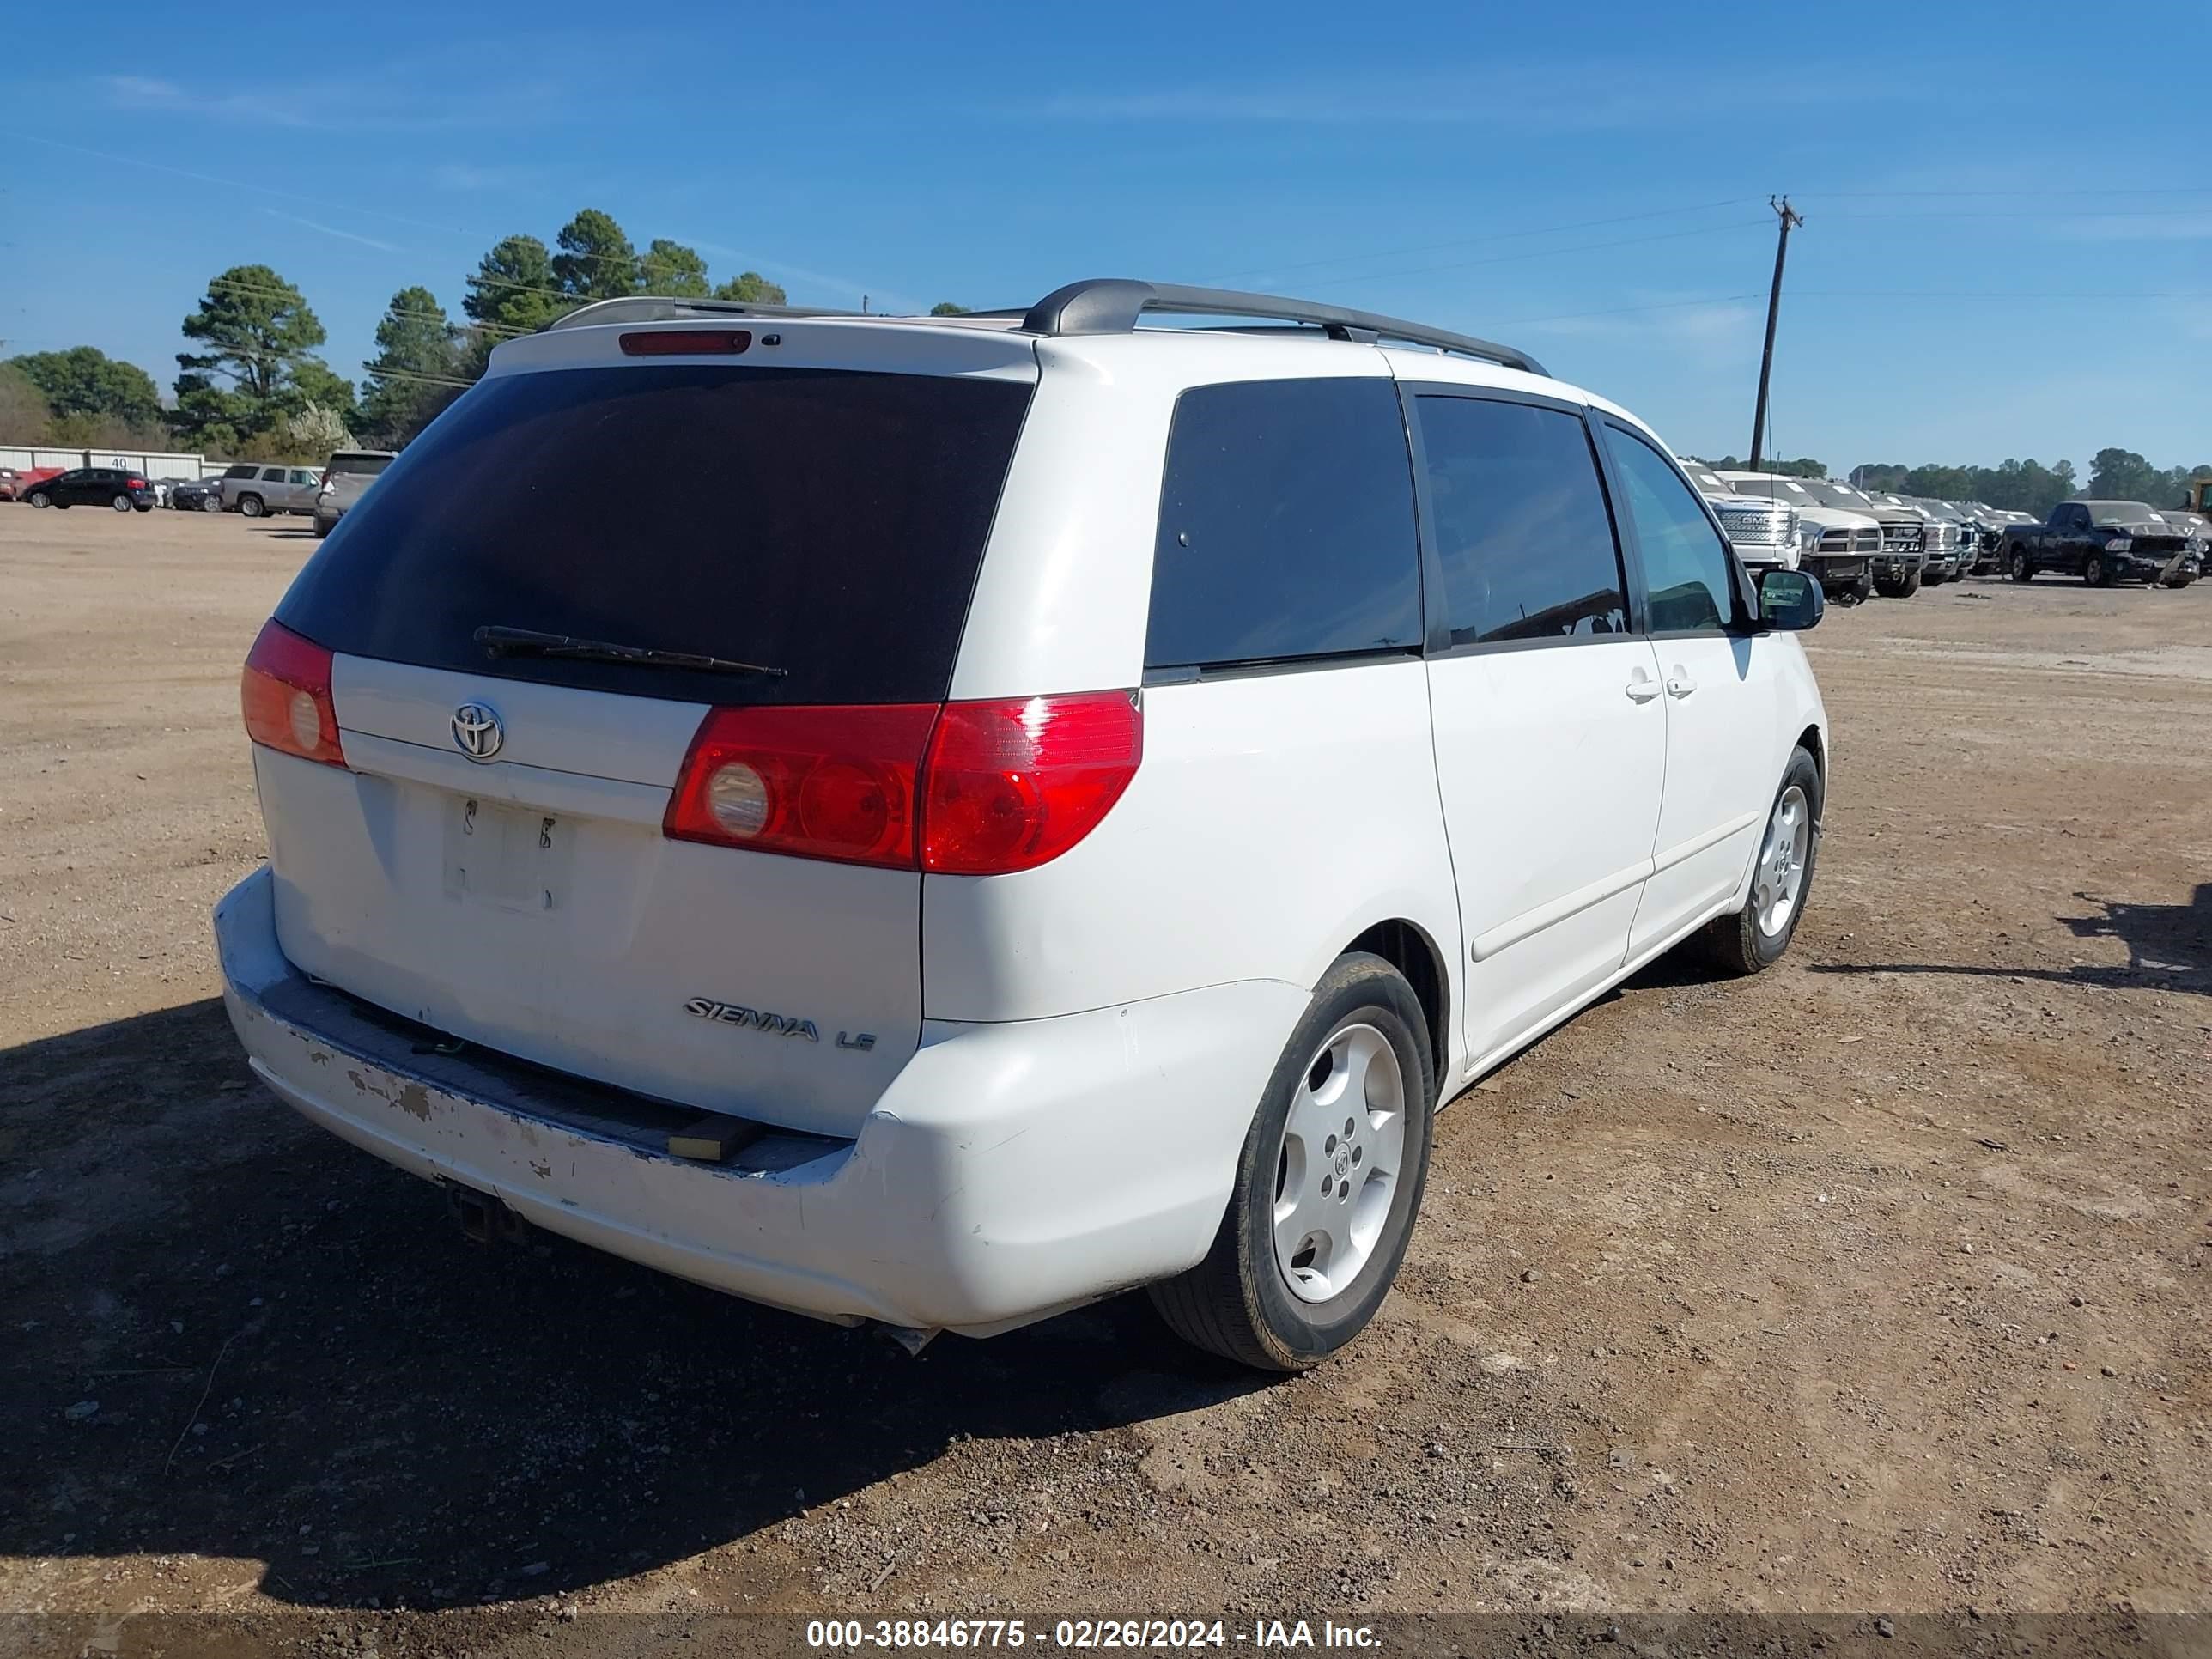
(1815,745)
(1408,946)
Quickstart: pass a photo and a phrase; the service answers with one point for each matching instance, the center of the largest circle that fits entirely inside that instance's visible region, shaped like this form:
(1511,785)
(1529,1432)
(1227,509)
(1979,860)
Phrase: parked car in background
(94,486)
(1953,539)
(200,495)
(17,482)
(1988,525)
(2190,523)
(567,789)
(349,473)
(1762,531)
(2104,542)
(255,487)
(1839,547)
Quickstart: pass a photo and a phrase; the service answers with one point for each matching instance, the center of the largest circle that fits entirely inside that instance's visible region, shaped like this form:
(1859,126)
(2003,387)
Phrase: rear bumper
(1009,1172)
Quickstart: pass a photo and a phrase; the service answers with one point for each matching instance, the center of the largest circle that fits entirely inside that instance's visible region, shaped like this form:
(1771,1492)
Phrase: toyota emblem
(477,733)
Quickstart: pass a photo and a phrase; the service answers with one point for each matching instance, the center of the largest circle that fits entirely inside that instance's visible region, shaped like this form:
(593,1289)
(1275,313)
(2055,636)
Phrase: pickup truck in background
(1764,532)
(1842,547)
(2104,542)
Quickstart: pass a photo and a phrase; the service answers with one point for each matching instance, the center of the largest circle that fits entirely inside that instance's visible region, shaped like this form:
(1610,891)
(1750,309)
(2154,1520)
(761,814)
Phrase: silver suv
(253,488)
(349,473)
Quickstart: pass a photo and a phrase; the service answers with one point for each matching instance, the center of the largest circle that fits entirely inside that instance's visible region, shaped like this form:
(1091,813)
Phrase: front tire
(1754,938)
(1897,587)
(1328,1185)
(2093,572)
(2023,569)
(39,498)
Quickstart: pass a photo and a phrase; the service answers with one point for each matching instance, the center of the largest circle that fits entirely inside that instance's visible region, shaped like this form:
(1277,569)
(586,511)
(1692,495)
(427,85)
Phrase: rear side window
(823,522)
(244,469)
(1686,565)
(1286,527)
(272,475)
(1522,529)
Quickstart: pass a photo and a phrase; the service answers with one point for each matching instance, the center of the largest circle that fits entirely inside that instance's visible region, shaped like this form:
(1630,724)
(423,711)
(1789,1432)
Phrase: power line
(1493,236)
(1541,253)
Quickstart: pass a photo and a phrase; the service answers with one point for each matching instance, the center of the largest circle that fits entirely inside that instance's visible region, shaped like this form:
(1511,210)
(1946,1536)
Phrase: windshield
(824,520)
(1829,494)
(2120,513)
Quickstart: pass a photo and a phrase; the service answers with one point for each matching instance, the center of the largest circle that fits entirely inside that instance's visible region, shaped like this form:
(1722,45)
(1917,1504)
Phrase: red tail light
(971,789)
(136,483)
(286,695)
(1010,785)
(824,783)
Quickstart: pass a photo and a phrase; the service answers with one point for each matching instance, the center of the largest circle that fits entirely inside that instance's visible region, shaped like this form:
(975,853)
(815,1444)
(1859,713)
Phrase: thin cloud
(373,106)
(332,230)
(1709,322)
(468,176)
(880,298)
(1555,97)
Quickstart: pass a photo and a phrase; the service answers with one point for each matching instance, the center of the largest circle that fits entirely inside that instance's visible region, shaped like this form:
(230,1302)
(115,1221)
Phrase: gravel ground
(1875,1285)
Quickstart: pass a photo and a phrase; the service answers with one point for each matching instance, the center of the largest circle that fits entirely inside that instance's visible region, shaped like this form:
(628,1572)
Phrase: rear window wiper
(499,641)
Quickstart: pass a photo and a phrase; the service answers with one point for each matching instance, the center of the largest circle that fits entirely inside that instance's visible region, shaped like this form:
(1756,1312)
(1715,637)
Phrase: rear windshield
(358,466)
(823,522)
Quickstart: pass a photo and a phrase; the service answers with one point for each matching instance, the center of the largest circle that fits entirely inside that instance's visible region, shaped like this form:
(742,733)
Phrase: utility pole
(1790,220)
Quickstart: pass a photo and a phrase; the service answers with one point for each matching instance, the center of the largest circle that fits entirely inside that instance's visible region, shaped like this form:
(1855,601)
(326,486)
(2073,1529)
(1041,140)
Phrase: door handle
(1641,687)
(1679,684)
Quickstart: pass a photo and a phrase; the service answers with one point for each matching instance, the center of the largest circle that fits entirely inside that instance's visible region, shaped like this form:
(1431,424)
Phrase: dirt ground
(1878,1284)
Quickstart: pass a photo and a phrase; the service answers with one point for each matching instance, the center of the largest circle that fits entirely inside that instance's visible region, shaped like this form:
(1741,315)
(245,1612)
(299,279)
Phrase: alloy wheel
(1343,1147)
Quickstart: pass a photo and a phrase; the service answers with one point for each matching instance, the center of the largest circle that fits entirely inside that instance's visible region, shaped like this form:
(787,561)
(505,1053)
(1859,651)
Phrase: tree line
(254,386)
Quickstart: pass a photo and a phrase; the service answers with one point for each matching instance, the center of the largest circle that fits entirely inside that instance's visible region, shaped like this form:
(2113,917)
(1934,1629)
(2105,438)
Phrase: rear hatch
(824,514)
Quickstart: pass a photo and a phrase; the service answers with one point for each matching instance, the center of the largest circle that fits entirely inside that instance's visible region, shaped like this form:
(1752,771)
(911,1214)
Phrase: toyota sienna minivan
(1059,815)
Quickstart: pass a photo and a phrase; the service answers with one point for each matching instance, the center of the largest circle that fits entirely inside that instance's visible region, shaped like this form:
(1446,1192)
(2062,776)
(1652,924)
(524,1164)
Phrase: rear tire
(250,507)
(122,503)
(1754,938)
(1364,1029)
(210,504)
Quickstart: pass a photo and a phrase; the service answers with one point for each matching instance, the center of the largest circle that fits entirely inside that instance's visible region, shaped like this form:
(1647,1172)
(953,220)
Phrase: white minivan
(1052,803)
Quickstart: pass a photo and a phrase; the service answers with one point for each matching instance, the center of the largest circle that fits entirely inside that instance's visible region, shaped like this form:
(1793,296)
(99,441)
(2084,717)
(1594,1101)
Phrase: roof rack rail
(1112,305)
(660,308)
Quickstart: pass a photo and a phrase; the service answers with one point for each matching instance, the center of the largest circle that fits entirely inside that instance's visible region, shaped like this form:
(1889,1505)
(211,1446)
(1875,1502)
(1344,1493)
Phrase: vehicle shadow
(231,1335)
(2169,948)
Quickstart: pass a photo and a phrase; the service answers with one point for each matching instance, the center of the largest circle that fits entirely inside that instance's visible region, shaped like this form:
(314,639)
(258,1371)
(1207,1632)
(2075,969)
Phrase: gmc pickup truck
(2104,542)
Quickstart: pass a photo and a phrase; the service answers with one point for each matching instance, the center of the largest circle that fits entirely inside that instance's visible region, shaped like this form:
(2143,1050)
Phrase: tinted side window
(272,475)
(1286,526)
(1520,523)
(243,470)
(1686,563)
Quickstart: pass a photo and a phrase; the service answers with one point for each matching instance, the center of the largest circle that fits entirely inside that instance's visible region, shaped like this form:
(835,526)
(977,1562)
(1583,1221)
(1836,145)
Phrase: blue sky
(2008,249)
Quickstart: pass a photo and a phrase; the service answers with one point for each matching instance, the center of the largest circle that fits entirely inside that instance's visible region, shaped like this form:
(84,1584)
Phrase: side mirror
(1790,600)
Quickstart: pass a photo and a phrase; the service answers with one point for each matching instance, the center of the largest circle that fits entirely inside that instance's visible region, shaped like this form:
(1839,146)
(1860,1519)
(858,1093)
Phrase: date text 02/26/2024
(1078,1634)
